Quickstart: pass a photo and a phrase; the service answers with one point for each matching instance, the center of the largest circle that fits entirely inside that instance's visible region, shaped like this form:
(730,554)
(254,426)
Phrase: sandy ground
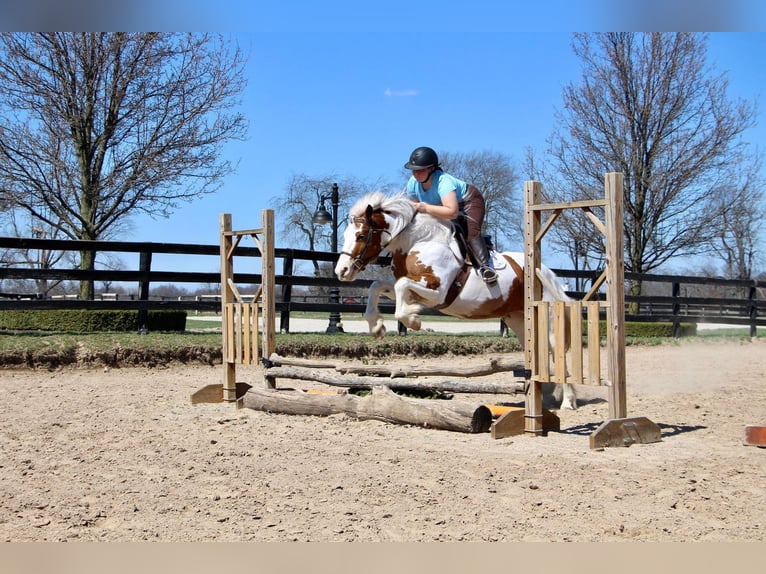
(122,455)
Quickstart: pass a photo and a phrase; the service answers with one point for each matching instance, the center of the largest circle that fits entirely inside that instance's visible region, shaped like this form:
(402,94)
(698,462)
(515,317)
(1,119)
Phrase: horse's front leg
(372,313)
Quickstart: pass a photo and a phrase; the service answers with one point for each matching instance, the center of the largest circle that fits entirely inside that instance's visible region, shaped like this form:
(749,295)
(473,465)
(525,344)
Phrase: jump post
(567,320)
(240,320)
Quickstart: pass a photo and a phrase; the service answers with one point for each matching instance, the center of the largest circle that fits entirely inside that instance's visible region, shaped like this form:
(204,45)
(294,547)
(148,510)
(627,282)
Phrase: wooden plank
(595,286)
(543,342)
(560,330)
(214,393)
(510,424)
(245,232)
(567,205)
(247,327)
(268,301)
(551,220)
(237,341)
(256,351)
(513,423)
(755,435)
(625,432)
(229,375)
(576,350)
(594,343)
(596,221)
(228,329)
(615,287)
(533,291)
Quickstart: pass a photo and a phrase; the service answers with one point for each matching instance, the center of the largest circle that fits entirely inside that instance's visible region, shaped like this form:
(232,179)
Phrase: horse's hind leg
(569,396)
(407,312)
(515,322)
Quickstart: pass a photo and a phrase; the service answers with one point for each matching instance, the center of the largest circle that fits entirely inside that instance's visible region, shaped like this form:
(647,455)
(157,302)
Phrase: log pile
(383,403)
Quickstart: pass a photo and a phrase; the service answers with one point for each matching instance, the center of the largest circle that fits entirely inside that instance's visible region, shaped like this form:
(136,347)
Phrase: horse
(430,270)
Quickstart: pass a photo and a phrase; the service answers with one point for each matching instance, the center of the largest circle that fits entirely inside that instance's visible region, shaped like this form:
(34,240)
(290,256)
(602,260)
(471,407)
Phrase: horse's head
(373,221)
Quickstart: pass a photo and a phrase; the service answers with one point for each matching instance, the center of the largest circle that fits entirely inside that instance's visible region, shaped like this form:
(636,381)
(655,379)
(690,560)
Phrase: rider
(445,197)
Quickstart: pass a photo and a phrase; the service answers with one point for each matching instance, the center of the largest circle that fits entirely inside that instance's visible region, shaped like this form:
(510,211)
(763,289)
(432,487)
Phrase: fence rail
(688,298)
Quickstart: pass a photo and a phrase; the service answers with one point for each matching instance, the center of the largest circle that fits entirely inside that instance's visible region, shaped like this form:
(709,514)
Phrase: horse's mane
(399,205)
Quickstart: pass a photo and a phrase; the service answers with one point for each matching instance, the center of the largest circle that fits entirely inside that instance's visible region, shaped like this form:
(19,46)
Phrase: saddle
(459,233)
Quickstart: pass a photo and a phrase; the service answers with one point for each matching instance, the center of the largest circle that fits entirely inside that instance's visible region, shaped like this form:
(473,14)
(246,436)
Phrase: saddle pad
(498,261)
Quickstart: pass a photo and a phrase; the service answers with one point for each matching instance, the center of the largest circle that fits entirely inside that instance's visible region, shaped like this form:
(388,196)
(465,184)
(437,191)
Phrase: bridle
(361,261)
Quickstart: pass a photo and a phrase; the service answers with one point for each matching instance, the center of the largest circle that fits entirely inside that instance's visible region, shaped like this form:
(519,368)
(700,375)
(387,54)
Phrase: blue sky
(350,103)
(350,88)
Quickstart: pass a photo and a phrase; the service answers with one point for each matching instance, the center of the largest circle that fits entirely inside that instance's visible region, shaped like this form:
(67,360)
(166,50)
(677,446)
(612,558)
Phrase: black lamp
(323,217)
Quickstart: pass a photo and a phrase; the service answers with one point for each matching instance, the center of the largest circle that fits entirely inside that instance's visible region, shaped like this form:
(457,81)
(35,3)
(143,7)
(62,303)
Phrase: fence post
(144,266)
(676,291)
(753,310)
(287,292)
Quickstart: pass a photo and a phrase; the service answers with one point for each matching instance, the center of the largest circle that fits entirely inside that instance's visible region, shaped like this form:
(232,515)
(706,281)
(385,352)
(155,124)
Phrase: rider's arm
(447,210)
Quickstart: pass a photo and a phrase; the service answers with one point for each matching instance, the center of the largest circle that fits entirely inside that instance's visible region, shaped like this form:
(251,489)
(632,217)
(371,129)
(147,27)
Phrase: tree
(95,127)
(648,106)
(304,196)
(741,201)
(573,233)
(497,178)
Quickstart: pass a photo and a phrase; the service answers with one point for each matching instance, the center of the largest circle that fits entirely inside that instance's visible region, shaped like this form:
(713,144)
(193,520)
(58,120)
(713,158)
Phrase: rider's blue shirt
(441,184)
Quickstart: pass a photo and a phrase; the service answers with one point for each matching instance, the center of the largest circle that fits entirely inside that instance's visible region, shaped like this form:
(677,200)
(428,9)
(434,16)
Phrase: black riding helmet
(421,158)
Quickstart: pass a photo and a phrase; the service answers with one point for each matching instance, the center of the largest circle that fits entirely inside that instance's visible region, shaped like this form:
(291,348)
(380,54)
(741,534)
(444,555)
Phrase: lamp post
(321,217)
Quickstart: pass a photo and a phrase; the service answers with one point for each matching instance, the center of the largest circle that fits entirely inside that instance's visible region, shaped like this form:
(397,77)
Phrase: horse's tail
(555,292)
(552,285)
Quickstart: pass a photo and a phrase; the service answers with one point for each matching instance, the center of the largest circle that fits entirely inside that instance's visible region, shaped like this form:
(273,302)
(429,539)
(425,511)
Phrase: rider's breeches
(473,207)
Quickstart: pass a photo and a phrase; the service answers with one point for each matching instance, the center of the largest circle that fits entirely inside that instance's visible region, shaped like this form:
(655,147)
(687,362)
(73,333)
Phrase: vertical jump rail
(567,320)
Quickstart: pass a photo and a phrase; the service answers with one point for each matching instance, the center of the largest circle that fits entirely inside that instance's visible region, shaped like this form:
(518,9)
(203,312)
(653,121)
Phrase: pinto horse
(431,271)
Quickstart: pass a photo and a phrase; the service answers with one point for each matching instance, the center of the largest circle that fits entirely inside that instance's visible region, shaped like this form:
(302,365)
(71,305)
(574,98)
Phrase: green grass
(39,349)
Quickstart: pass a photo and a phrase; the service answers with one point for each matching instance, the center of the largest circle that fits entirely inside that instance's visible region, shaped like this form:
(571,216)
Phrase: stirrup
(488,274)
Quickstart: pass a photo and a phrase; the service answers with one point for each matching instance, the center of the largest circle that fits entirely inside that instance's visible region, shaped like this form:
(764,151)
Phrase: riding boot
(479,250)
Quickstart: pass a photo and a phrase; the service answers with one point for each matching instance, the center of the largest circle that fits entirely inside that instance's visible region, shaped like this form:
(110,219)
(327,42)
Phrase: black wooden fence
(675,298)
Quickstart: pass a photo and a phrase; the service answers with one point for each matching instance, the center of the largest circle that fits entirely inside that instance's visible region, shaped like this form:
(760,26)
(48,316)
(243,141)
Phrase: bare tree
(648,106)
(496,176)
(741,201)
(95,127)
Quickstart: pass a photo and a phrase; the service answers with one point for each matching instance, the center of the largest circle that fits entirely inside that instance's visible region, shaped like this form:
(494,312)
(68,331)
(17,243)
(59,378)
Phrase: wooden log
(493,365)
(382,405)
(362,382)
(278,361)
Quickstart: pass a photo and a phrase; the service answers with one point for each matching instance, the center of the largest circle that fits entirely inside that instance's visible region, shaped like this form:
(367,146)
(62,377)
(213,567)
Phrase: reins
(359,262)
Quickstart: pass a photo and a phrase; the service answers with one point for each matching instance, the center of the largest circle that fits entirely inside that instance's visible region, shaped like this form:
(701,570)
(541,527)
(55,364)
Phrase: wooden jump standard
(567,319)
(240,319)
